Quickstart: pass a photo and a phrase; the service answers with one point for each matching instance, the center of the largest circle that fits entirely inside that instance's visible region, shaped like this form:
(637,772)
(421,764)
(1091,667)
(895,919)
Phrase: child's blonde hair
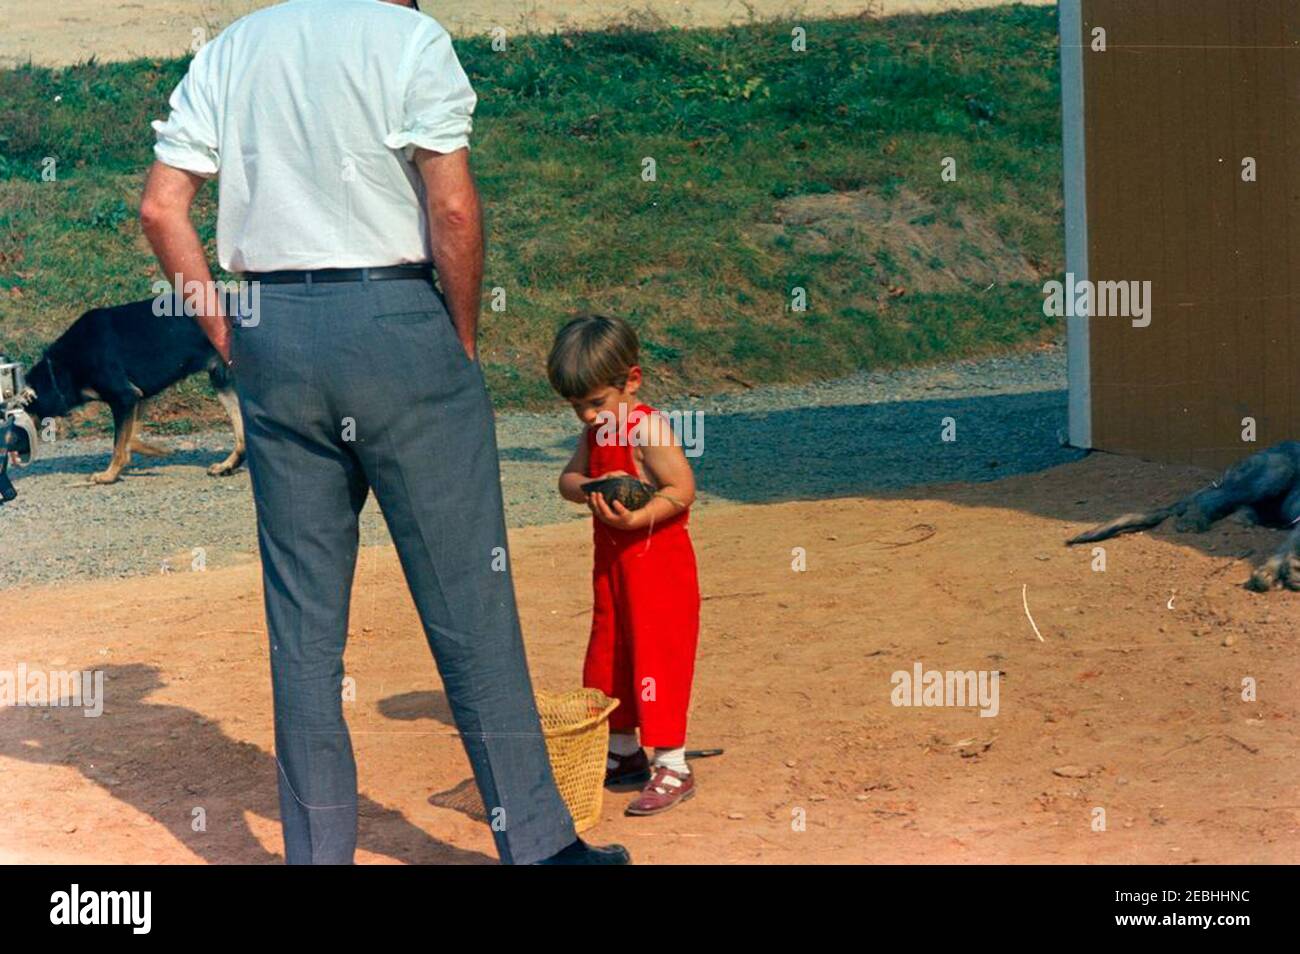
(590,352)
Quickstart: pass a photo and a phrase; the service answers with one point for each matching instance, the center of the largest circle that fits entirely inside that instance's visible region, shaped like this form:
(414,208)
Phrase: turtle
(630,492)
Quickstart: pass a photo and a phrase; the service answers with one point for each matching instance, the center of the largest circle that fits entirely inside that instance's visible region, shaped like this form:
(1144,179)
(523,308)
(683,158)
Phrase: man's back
(357,379)
(307,110)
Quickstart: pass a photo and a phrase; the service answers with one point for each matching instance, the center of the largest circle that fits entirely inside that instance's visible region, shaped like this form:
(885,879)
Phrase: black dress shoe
(581,853)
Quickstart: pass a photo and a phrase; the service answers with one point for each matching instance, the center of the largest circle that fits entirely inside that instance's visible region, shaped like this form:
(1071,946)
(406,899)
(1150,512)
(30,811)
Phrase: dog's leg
(137,443)
(1207,507)
(1283,567)
(126,418)
(1248,516)
(149,450)
(1258,479)
(230,402)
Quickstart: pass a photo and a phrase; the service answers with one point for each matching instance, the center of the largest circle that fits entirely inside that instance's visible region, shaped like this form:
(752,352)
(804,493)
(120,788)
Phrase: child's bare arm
(574,474)
(666,467)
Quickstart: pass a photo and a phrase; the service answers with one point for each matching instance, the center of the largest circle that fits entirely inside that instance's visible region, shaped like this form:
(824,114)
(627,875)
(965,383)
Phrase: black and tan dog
(123,356)
(1264,489)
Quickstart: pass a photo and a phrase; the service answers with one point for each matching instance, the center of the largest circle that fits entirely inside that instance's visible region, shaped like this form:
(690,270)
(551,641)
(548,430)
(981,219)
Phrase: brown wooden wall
(1185,91)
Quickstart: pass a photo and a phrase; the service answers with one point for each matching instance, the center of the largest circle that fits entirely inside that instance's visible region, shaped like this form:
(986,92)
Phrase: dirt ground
(72,30)
(1130,703)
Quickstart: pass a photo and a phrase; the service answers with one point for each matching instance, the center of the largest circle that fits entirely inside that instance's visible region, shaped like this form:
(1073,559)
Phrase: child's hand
(617,516)
(591,497)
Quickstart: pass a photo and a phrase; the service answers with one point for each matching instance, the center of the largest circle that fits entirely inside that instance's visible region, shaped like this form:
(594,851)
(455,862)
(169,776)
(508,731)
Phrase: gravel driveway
(875,431)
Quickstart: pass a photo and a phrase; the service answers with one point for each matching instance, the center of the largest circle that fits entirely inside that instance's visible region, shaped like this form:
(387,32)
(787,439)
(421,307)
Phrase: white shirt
(310,112)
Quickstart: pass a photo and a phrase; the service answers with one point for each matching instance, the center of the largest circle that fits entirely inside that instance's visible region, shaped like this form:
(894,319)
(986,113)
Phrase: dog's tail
(1129,523)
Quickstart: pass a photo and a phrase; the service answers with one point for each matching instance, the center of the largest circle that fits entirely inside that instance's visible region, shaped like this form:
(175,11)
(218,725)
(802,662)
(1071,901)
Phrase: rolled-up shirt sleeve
(188,138)
(439,102)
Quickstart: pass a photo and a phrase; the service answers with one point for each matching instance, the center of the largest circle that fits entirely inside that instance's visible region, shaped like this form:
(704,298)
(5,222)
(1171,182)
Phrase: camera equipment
(18,432)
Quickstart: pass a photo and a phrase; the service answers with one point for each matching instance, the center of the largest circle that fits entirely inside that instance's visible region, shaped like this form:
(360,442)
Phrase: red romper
(645,623)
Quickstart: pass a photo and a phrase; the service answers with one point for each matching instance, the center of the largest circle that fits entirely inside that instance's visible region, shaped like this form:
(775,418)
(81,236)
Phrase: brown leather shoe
(665,789)
(632,769)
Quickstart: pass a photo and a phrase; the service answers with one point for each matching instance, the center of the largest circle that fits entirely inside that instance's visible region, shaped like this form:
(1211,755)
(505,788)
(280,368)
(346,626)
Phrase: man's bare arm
(165,217)
(456,237)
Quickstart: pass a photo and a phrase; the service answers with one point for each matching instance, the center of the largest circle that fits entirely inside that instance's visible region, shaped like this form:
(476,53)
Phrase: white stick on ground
(1024,598)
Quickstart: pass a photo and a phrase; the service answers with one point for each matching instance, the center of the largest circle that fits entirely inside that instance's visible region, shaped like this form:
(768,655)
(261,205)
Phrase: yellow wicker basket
(576,727)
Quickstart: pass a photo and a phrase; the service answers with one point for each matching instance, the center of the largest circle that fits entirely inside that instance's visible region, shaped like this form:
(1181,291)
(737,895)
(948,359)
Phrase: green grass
(736,122)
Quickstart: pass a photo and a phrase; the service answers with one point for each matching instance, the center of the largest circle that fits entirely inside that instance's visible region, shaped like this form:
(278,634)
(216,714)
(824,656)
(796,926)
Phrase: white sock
(674,759)
(622,743)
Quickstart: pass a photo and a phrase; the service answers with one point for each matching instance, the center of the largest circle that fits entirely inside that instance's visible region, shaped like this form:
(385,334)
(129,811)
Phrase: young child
(646,618)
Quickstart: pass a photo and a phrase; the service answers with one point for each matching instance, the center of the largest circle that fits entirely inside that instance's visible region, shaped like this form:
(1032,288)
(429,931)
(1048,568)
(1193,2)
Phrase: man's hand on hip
(165,218)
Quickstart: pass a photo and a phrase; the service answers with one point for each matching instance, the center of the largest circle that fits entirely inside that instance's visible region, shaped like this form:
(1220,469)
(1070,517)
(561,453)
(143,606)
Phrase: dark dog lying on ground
(1264,488)
(123,356)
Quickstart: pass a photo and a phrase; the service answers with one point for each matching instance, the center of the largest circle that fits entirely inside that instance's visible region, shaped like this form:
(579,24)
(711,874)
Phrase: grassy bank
(773,168)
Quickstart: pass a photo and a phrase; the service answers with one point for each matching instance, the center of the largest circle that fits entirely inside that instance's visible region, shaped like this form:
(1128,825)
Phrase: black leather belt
(314,275)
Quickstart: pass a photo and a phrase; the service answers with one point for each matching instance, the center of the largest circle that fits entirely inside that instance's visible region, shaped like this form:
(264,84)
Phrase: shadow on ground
(179,761)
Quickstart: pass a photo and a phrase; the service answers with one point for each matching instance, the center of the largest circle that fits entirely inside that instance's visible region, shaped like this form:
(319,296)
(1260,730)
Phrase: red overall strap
(618,455)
